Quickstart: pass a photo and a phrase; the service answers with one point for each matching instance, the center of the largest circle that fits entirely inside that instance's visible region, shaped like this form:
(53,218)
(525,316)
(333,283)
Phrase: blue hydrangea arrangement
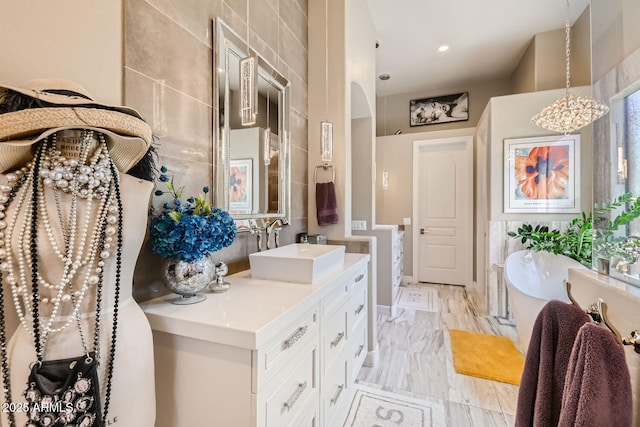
(191,229)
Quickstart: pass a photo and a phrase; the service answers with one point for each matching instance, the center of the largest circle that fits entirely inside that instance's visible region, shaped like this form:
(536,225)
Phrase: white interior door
(443,171)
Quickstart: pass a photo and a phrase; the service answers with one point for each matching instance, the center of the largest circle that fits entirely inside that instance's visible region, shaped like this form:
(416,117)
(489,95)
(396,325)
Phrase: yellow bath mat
(486,356)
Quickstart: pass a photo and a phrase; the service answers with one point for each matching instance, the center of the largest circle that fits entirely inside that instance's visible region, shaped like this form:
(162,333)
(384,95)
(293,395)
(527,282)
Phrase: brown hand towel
(326,204)
(545,367)
(597,390)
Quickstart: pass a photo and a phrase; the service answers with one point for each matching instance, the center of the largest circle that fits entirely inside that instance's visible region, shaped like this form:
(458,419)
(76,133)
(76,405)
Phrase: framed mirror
(252,162)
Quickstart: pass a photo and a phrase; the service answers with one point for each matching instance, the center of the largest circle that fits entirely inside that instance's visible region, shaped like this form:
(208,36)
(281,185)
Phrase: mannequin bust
(66,226)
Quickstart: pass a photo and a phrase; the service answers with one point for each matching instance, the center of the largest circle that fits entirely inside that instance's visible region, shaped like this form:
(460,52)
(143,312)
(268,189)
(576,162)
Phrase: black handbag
(63,392)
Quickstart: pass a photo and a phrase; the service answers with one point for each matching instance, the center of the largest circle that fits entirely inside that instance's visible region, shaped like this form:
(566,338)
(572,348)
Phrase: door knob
(423,231)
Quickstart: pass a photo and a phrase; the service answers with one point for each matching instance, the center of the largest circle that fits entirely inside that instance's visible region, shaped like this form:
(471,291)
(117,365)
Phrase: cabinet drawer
(310,417)
(334,300)
(281,349)
(287,399)
(358,278)
(357,305)
(334,335)
(358,350)
(334,392)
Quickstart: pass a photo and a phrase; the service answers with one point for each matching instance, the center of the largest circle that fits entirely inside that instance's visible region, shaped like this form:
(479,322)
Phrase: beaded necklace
(81,254)
(82,251)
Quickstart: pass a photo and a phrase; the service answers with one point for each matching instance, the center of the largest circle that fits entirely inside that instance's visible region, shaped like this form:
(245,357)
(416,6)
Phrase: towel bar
(324,166)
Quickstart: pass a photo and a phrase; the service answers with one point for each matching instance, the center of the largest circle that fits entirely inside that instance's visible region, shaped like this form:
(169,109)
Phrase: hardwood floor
(416,359)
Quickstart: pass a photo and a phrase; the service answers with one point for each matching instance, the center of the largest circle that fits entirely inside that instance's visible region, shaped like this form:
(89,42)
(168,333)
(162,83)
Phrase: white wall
(78,40)
(393,110)
(510,118)
(394,154)
(616,33)
(362,179)
(550,65)
(247,144)
(327,94)
(351,61)
(41,39)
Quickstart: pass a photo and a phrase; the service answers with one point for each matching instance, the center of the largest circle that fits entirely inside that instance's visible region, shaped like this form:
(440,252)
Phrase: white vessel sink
(297,263)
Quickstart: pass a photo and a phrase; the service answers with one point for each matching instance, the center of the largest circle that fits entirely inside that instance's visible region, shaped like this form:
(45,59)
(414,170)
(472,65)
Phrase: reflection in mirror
(621,248)
(252,173)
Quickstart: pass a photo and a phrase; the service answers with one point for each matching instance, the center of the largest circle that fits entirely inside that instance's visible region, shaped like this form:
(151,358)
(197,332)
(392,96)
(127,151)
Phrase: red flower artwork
(544,173)
(237,184)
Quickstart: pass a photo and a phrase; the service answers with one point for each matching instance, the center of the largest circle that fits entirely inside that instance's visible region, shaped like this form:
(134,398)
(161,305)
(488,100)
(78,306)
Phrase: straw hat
(67,105)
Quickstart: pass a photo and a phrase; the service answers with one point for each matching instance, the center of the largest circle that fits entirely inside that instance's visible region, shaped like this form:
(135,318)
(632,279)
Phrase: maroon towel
(326,204)
(545,367)
(597,390)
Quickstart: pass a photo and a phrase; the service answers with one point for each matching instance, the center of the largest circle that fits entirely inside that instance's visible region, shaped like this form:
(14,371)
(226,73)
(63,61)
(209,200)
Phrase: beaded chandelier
(571,112)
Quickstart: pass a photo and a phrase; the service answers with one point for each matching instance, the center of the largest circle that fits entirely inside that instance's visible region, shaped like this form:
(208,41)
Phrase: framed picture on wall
(439,109)
(240,186)
(542,174)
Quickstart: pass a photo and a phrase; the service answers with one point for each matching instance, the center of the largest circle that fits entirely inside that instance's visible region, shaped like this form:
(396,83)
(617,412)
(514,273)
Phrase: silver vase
(187,278)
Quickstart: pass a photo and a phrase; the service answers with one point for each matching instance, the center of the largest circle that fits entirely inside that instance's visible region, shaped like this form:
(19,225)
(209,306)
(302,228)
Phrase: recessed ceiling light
(443,48)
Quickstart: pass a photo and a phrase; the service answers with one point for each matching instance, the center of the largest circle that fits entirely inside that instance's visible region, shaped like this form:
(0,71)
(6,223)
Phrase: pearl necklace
(74,175)
(84,247)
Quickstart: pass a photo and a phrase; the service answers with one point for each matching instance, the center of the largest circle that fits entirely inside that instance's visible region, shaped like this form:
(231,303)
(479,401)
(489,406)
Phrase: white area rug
(378,408)
(418,299)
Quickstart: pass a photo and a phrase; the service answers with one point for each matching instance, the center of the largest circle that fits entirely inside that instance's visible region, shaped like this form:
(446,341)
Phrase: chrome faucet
(254,229)
(274,228)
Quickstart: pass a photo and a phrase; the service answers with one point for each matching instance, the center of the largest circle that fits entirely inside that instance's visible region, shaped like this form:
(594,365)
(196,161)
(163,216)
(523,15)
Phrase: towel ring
(324,166)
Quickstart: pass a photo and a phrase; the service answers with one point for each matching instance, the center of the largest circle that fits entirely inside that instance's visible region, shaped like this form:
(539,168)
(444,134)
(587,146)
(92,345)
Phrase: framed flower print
(240,186)
(542,174)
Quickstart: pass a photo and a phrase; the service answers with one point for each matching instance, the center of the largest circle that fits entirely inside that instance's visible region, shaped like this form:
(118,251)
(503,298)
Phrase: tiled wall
(171,40)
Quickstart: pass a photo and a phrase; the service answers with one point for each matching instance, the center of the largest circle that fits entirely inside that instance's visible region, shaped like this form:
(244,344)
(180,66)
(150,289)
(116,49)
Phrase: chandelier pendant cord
(567,49)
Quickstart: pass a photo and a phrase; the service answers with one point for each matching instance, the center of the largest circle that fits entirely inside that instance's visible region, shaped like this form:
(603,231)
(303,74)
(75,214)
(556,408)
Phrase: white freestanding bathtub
(533,279)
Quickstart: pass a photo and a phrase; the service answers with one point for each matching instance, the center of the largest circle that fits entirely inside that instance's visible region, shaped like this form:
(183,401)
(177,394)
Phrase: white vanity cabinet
(390,262)
(357,318)
(264,353)
(343,323)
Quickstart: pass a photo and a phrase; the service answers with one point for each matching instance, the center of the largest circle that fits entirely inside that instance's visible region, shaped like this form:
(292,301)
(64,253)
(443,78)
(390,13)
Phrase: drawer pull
(301,388)
(360,350)
(337,340)
(360,277)
(360,308)
(295,337)
(337,395)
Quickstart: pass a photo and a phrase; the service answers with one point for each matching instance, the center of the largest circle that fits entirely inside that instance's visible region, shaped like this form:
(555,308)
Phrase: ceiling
(486,37)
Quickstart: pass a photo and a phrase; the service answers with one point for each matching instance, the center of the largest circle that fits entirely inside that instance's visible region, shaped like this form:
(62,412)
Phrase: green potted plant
(589,236)
(608,246)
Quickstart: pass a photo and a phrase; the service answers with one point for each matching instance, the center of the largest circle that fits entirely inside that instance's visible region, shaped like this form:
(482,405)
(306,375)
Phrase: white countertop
(615,284)
(247,314)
